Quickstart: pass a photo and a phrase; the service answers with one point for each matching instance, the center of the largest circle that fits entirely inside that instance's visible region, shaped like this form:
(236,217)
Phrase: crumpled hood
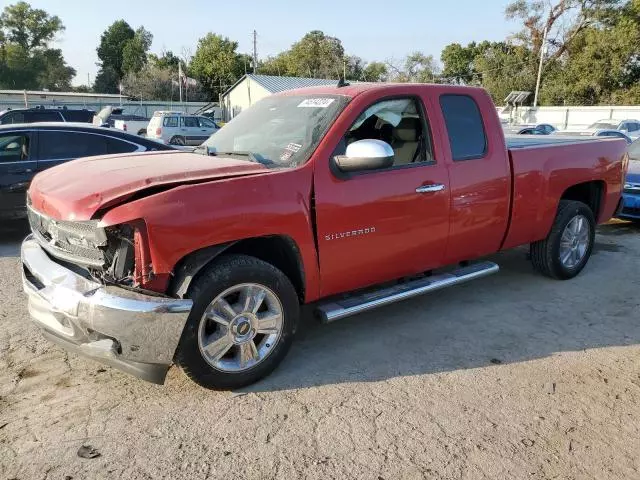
(76,190)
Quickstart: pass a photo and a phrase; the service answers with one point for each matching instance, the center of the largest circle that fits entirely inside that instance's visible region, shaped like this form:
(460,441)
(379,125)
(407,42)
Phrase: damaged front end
(84,286)
(112,255)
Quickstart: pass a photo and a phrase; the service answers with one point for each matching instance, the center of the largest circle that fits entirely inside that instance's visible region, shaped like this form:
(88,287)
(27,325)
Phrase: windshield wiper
(250,155)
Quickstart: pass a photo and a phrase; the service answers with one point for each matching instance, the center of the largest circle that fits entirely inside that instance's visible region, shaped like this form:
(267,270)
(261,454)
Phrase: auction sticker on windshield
(316,102)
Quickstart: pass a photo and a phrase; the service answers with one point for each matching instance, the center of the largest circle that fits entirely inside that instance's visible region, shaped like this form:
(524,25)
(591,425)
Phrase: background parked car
(42,114)
(534,129)
(115,117)
(27,149)
(631,128)
(613,133)
(176,128)
(631,192)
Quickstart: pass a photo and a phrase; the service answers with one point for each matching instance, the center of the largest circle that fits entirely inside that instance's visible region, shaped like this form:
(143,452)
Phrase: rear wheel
(567,248)
(241,324)
(177,140)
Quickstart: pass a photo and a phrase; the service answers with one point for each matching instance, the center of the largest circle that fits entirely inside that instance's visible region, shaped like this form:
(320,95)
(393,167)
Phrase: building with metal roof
(251,88)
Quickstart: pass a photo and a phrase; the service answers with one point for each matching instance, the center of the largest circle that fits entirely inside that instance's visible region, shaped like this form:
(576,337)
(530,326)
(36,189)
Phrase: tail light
(124,127)
(158,132)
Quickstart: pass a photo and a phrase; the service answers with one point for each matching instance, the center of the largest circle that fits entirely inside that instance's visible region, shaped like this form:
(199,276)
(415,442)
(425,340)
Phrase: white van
(178,128)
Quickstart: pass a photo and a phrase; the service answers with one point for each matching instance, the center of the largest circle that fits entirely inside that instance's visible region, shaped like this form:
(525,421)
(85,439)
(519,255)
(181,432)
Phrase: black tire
(223,274)
(545,254)
(177,140)
(142,132)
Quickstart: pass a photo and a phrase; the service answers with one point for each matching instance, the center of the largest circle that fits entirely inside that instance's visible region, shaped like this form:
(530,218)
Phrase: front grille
(76,242)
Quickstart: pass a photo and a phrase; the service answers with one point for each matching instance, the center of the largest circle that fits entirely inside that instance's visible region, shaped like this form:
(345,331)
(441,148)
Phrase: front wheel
(567,248)
(241,325)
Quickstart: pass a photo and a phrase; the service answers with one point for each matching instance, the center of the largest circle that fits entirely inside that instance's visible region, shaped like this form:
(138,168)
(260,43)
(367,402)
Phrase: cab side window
(465,128)
(14,147)
(400,123)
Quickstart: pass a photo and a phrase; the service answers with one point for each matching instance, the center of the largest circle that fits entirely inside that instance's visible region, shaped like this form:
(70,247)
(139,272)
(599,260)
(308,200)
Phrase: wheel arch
(281,251)
(590,193)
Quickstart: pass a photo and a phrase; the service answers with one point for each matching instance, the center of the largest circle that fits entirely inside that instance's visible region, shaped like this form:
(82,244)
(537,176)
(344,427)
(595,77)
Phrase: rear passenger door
(17,168)
(59,146)
(191,130)
(479,174)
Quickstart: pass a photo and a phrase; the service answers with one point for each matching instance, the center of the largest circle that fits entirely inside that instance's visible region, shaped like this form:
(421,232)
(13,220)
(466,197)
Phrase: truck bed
(544,167)
(524,141)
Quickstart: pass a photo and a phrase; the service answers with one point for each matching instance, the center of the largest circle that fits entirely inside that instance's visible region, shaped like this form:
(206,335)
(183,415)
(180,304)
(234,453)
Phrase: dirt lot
(511,377)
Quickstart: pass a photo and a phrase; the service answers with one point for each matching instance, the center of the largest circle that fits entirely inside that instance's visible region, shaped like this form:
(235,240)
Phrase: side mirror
(365,155)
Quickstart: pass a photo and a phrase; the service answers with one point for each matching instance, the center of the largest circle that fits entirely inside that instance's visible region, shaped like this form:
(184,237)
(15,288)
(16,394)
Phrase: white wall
(242,96)
(571,117)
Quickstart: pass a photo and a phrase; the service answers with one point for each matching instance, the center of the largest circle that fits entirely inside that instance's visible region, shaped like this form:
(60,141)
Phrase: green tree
(111,56)
(277,65)
(134,52)
(122,50)
(216,64)
(504,67)
(165,61)
(375,72)
(28,27)
(459,62)
(602,64)
(316,55)
(415,68)
(107,81)
(26,61)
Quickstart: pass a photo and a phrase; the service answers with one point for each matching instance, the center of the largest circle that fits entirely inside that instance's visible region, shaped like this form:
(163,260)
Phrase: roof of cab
(353,90)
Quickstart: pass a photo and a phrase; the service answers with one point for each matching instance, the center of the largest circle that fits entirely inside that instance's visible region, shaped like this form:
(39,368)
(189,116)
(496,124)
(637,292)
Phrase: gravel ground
(511,377)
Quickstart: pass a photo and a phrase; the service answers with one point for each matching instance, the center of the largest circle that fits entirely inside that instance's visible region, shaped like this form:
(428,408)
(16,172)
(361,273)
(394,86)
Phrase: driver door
(381,225)
(17,168)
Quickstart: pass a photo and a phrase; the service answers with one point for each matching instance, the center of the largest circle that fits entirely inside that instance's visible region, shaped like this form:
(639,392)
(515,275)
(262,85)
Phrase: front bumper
(132,332)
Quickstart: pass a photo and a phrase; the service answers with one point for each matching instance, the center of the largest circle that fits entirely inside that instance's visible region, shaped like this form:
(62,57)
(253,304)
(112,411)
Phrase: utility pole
(255,52)
(88,81)
(543,49)
(344,69)
(180,80)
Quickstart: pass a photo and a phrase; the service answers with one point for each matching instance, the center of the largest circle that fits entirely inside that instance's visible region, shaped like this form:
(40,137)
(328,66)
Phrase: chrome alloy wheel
(240,327)
(574,242)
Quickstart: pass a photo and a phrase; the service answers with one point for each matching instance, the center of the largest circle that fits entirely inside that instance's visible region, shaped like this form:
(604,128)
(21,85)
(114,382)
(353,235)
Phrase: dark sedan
(26,149)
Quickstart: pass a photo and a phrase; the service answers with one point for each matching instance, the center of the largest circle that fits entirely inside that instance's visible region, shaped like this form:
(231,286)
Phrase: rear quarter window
(465,128)
(170,122)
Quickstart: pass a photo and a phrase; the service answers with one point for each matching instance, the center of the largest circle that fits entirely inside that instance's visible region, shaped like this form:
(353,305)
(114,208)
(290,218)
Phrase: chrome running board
(358,303)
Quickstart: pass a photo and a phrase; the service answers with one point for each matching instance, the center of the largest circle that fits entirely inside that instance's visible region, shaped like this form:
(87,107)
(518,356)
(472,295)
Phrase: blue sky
(373,30)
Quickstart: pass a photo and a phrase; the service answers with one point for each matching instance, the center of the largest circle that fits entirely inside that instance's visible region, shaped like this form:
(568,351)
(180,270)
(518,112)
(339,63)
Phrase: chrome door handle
(434,187)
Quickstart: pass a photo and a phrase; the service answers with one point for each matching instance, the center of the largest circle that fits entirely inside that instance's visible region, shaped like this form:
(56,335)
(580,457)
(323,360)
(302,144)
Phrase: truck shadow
(514,316)
(12,232)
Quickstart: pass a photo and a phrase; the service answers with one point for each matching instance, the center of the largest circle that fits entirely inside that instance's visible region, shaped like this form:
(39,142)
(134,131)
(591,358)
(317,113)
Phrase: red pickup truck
(347,197)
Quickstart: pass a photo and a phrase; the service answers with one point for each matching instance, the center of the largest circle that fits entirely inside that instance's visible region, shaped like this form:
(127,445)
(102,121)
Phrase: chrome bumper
(135,333)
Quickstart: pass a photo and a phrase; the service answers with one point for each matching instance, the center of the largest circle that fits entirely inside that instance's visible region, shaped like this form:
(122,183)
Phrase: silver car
(177,128)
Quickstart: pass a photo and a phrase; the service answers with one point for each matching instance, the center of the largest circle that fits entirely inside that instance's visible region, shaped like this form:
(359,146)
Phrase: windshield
(278,131)
(601,124)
